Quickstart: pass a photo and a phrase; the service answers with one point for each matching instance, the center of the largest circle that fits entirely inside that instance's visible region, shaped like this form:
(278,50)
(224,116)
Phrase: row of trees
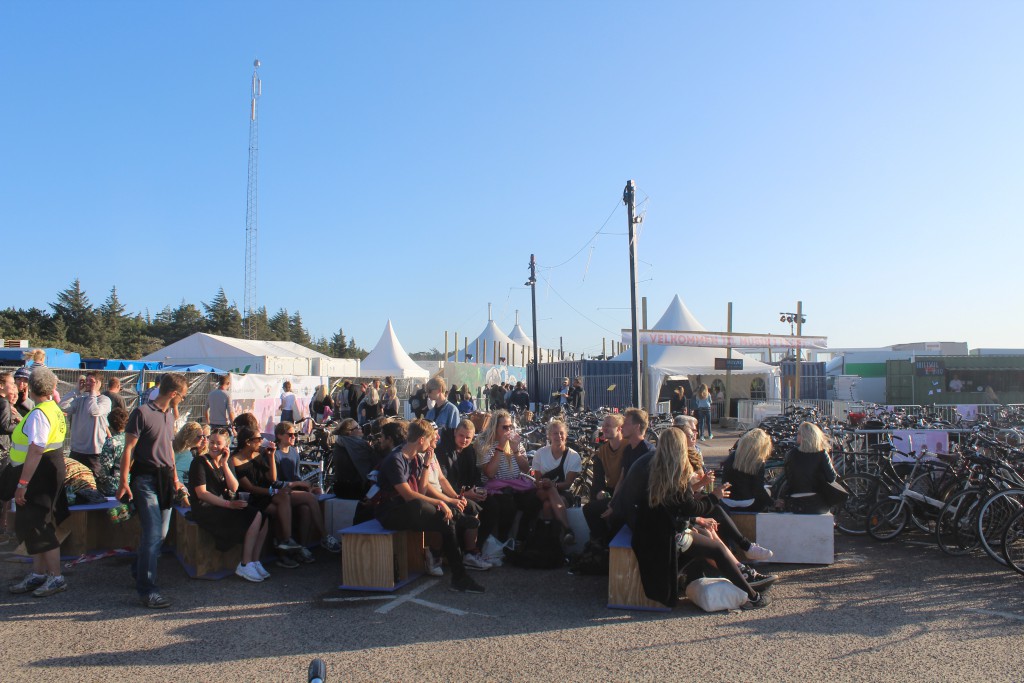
(109,331)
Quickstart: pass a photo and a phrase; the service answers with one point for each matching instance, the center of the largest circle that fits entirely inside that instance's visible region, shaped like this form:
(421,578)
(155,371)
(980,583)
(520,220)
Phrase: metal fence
(750,412)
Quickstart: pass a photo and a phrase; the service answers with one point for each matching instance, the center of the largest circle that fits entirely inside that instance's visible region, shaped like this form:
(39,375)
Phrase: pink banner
(723,340)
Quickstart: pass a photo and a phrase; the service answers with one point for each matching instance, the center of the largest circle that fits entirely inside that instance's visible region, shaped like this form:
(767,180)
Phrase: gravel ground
(901,610)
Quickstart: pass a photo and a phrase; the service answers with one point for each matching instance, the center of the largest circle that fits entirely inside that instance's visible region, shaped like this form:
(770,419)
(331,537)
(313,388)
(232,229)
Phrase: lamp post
(532,282)
(797,319)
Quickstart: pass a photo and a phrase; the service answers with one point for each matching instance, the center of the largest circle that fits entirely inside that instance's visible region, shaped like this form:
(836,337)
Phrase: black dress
(35,525)
(257,471)
(226,525)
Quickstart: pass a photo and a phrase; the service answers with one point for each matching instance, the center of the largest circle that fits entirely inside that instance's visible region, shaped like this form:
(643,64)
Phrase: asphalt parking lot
(882,612)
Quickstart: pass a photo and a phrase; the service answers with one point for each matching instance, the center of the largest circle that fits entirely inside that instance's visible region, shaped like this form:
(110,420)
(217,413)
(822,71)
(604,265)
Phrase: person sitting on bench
(744,470)
(401,506)
(808,467)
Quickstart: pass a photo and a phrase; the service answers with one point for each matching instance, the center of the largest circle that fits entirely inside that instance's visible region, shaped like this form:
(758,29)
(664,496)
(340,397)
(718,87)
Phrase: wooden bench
(376,559)
(625,591)
(89,528)
(795,539)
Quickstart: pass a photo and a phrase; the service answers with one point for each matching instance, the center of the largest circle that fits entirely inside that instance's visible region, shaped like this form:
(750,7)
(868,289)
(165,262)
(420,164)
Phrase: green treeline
(109,331)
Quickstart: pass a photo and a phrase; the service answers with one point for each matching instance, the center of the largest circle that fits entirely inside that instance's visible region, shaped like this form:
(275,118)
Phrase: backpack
(542,549)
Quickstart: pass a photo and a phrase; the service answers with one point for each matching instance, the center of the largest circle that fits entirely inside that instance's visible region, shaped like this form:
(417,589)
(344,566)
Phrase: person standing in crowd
(88,412)
(403,507)
(677,404)
(607,470)
(288,407)
(149,458)
(389,401)
(576,394)
(418,402)
(24,403)
(9,419)
(37,456)
(563,393)
(369,407)
(703,403)
(219,412)
(321,404)
(444,414)
(466,405)
(113,392)
(520,399)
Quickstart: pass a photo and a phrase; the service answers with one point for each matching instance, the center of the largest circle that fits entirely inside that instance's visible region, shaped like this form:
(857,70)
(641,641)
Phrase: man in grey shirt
(218,405)
(149,458)
(88,412)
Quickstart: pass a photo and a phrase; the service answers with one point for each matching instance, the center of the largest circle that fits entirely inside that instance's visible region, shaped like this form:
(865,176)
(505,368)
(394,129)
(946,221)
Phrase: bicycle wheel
(1013,542)
(887,519)
(922,514)
(851,516)
(994,515)
(954,529)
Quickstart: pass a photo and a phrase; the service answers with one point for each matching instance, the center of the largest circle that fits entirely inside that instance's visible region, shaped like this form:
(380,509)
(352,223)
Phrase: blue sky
(863,157)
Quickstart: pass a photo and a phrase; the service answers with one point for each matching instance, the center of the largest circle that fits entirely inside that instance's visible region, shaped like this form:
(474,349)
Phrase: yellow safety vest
(55,440)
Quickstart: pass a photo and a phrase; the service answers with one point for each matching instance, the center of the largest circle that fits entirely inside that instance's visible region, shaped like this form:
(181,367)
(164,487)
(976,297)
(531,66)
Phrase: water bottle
(317,671)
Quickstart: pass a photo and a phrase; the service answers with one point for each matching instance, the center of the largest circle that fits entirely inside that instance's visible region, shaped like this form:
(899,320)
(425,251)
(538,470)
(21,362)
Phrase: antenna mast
(250,207)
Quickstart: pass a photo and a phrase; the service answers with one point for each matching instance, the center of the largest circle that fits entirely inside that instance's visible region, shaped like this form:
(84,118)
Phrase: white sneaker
(757,553)
(248,572)
(433,566)
(474,561)
(261,570)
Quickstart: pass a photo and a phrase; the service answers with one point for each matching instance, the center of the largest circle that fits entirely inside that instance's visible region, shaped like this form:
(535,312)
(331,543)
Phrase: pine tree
(262,324)
(298,333)
(186,320)
(223,317)
(339,345)
(73,307)
(280,326)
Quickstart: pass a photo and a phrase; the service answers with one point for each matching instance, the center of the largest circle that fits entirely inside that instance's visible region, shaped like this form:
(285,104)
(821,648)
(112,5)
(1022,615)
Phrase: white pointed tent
(518,335)
(389,358)
(491,333)
(694,362)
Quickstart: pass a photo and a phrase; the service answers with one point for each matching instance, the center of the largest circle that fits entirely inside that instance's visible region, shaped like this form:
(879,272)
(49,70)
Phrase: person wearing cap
(24,403)
(88,412)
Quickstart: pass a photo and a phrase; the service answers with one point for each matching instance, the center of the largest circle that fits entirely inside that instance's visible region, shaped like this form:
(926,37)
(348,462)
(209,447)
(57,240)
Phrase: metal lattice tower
(250,207)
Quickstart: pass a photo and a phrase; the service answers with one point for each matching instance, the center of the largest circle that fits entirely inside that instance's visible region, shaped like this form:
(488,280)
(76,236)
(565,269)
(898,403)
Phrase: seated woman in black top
(744,469)
(670,520)
(257,473)
(401,506)
(228,521)
(808,467)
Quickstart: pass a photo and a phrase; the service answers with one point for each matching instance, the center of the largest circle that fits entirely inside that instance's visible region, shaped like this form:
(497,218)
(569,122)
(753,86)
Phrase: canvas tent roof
(665,362)
(389,358)
(518,335)
(491,333)
(202,345)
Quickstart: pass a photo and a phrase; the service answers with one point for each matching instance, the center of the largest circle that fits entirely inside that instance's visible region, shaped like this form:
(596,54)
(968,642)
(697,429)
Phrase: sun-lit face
(557,438)
(463,437)
(610,429)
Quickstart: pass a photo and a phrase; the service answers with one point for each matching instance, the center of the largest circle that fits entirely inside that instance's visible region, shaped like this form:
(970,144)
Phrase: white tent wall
(335,367)
(248,356)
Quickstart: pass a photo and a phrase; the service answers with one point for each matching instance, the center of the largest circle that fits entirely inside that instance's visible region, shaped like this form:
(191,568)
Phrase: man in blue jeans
(149,458)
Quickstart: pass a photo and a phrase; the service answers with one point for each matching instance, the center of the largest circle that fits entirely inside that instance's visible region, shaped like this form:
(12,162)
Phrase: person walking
(149,458)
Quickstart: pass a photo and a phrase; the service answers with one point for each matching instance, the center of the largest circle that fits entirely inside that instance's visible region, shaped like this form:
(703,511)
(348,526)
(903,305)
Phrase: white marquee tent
(389,358)
(694,362)
(253,356)
(519,337)
(485,343)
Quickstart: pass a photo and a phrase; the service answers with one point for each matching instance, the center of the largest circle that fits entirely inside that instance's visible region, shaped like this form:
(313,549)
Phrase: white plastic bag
(715,595)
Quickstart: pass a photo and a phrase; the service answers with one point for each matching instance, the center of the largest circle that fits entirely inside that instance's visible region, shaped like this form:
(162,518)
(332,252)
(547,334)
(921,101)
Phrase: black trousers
(498,513)
(602,530)
(419,515)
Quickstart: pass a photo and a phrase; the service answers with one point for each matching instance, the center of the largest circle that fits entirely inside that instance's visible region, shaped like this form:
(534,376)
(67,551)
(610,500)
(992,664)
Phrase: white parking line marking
(994,613)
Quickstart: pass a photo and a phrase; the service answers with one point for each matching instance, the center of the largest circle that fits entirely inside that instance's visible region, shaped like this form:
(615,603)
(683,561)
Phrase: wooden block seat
(376,559)
(625,591)
(197,551)
(795,539)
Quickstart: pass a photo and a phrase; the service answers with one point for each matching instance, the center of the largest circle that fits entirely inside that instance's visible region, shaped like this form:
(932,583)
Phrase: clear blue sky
(865,157)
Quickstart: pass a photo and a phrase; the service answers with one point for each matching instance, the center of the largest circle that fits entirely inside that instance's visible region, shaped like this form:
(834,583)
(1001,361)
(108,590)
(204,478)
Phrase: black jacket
(806,472)
(746,486)
(654,531)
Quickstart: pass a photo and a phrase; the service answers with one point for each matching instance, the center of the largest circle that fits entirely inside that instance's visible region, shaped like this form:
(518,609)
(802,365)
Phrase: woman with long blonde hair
(702,400)
(672,524)
(503,461)
(808,467)
(744,469)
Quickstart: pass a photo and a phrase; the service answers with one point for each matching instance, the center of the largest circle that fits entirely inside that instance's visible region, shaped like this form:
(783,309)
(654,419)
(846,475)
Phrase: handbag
(518,485)
(833,493)
(715,595)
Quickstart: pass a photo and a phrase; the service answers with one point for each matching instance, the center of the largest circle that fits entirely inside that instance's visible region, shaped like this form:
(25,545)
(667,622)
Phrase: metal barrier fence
(750,412)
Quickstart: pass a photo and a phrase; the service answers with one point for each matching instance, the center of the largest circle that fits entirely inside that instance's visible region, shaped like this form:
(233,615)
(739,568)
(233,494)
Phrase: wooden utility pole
(728,355)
